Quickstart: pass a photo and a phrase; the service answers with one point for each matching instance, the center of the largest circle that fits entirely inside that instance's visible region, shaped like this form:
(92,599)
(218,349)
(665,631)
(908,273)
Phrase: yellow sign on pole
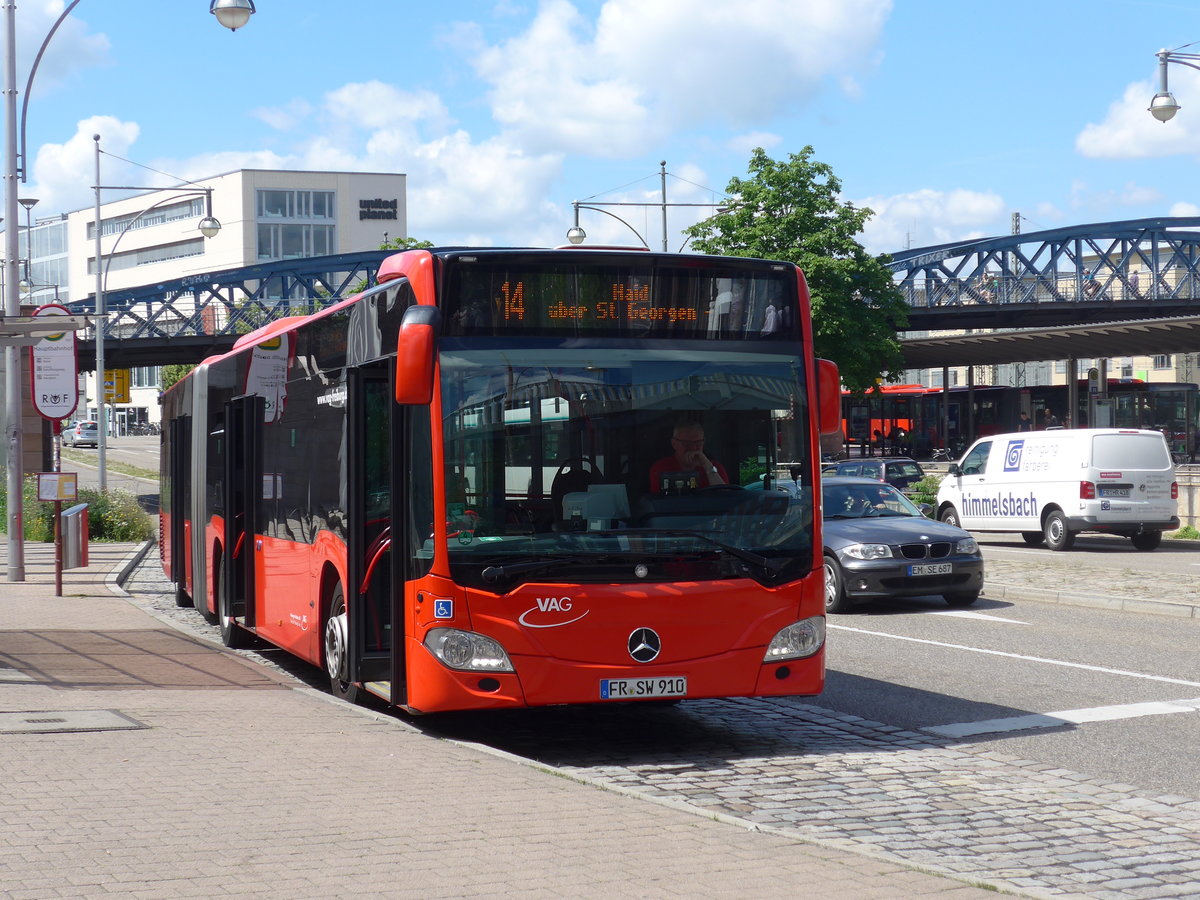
(116,385)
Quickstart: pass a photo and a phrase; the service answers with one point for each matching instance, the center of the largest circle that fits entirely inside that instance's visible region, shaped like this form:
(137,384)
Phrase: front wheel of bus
(1058,536)
(337,648)
(836,600)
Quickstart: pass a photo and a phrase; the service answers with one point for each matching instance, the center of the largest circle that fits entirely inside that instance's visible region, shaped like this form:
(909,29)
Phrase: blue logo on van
(1012,456)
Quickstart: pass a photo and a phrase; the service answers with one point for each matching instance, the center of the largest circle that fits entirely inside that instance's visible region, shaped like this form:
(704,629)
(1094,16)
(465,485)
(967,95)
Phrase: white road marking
(1065,717)
(1037,659)
(967,614)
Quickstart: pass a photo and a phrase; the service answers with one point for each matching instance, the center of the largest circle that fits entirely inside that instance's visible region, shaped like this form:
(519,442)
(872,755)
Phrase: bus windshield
(618,461)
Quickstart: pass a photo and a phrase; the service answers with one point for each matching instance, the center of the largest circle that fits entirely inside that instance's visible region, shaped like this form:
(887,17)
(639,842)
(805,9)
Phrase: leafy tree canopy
(790,210)
(405,243)
(169,375)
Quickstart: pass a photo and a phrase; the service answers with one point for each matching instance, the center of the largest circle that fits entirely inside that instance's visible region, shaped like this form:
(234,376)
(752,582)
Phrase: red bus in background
(915,420)
(439,490)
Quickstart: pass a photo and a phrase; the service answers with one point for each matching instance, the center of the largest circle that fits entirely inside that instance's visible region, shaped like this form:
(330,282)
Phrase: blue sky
(943,117)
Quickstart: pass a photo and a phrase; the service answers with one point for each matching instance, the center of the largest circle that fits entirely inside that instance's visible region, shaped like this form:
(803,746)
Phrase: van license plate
(638,688)
(1114,492)
(931,569)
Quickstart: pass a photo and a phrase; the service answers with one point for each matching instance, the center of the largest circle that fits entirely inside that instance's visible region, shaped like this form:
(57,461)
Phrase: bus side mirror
(415,350)
(829,397)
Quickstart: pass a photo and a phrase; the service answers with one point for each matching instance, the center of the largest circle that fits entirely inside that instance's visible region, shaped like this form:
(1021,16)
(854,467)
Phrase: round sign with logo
(54,369)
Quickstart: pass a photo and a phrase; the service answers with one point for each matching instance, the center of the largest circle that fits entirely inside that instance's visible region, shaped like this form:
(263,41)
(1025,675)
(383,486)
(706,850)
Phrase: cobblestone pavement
(800,770)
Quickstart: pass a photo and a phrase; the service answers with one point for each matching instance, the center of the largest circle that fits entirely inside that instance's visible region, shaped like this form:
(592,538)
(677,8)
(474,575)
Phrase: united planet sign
(378,209)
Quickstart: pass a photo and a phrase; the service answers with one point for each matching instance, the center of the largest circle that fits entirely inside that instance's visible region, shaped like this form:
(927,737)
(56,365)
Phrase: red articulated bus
(439,490)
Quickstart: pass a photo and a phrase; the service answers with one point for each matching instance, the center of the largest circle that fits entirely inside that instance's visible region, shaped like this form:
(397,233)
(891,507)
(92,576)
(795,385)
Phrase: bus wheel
(1033,538)
(337,648)
(1058,536)
(181,597)
(1147,540)
(232,635)
(950,516)
(836,600)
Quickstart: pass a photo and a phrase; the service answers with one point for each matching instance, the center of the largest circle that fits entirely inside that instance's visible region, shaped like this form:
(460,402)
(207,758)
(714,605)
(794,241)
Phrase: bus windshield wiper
(495,573)
(749,556)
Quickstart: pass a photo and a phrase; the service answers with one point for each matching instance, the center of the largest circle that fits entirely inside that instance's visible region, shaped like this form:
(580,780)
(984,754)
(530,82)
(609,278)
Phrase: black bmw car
(878,544)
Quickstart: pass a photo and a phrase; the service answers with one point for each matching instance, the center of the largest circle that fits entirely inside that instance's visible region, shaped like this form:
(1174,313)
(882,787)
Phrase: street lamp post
(231,14)
(576,235)
(209,227)
(1163,106)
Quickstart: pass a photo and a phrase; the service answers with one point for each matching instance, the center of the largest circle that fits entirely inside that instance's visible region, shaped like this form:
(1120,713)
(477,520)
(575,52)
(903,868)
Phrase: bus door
(375,532)
(243,494)
(178,503)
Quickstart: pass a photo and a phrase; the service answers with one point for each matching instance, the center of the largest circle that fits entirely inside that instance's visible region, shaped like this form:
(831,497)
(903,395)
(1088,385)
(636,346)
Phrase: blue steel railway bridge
(1085,291)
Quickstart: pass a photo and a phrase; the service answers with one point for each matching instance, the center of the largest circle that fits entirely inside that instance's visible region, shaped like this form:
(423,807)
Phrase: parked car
(878,544)
(81,434)
(898,471)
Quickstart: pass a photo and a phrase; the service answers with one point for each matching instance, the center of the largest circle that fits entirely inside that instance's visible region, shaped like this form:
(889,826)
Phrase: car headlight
(868,551)
(966,546)
(467,650)
(798,640)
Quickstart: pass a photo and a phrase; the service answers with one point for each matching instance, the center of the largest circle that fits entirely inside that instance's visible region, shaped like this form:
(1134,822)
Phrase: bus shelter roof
(1146,337)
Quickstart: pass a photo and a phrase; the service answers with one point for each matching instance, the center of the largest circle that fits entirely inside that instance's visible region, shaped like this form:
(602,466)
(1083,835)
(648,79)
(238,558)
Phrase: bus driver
(687,468)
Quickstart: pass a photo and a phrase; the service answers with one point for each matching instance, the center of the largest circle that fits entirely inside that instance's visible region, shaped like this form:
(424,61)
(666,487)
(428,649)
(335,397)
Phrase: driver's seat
(573,476)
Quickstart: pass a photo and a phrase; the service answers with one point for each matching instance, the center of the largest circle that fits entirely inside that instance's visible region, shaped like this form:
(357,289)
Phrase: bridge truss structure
(1142,270)
(1105,272)
(191,318)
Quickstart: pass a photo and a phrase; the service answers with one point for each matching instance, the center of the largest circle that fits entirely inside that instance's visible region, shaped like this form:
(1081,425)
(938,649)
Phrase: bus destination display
(620,302)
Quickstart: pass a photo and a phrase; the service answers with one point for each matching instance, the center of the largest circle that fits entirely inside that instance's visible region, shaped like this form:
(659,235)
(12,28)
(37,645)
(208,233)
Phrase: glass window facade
(295,223)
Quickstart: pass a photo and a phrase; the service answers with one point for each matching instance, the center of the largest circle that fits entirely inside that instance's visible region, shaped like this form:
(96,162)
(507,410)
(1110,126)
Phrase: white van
(1050,485)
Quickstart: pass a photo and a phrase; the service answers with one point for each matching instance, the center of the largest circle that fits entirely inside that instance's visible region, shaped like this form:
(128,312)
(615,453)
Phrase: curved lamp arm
(579,206)
(22,167)
(208,217)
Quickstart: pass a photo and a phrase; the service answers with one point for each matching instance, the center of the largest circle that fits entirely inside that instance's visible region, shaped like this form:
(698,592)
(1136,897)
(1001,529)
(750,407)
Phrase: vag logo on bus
(547,611)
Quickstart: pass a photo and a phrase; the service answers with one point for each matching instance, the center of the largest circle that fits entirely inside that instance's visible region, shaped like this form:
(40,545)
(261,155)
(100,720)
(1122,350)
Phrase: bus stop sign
(54,371)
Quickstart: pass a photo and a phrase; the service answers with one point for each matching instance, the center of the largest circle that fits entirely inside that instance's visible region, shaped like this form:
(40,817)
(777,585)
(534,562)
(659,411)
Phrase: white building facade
(154,237)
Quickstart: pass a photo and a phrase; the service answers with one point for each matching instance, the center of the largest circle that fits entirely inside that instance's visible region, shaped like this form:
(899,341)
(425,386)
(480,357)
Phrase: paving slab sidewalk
(141,762)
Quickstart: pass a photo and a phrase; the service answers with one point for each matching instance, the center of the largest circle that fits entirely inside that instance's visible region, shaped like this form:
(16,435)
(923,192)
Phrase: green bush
(115,516)
(925,490)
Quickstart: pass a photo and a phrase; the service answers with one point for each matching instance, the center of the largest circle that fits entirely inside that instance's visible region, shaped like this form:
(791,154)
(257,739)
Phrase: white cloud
(286,117)
(924,217)
(745,144)
(647,68)
(72,50)
(1183,209)
(56,172)
(1128,131)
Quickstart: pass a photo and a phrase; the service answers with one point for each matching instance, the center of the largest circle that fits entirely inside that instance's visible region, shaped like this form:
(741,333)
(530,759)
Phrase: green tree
(169,375)
(790,210)
(405,243)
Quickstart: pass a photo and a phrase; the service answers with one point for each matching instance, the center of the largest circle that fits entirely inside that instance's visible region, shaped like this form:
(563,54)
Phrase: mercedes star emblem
(644,645)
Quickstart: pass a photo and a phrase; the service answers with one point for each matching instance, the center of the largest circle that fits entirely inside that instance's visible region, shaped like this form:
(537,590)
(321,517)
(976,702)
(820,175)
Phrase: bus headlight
(467,650)
(798,640)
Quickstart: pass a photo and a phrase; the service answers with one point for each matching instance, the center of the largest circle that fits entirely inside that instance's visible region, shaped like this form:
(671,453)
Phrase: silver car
(84,433)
